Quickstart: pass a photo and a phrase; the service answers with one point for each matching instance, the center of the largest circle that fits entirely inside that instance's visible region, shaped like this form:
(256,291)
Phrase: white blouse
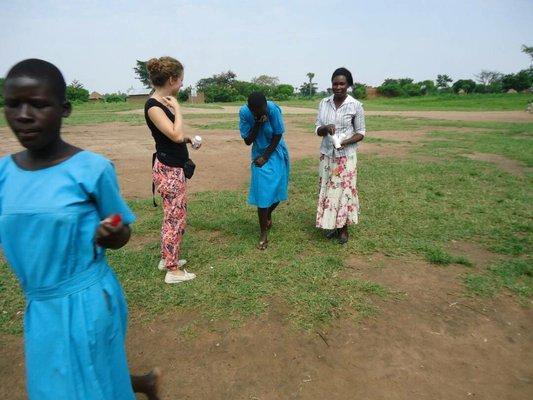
(348,119)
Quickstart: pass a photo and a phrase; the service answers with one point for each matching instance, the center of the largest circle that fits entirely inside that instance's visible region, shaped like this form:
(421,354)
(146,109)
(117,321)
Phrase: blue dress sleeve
(106,194)
(276,120)
(245,121)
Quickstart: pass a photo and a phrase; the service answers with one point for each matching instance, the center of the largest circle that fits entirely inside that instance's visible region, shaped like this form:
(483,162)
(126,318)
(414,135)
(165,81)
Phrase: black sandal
(333,234)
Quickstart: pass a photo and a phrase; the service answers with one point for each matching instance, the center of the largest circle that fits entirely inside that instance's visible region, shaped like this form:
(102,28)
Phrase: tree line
(225,87)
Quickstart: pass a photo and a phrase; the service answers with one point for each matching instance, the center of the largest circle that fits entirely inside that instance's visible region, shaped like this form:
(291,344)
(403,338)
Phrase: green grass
(471,102)
(445,102)
(408,207)
(438,256)
(389,123)
(515,275)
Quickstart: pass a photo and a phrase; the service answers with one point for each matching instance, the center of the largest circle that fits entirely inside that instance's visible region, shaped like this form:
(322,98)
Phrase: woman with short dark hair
(261,125)
(341,124)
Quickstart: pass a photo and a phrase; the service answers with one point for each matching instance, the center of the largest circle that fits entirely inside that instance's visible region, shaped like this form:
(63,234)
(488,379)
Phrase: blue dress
(268,184)
(75,317)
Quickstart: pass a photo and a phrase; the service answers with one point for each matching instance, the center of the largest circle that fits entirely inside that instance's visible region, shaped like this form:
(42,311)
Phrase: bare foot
(263,241)
(263,244)
(155,377)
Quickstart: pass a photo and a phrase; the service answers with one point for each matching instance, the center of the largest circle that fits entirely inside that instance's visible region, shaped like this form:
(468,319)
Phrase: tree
(308,89)
(488,77)
(266,80)
(184,94)
(142,73)
(443,80)
(529,51)
(283,92)
(427,87)
(391,88)
(522,80)
(115,97)
(310,75)
(224,79)
(468,85)
(359,90)
(77,93)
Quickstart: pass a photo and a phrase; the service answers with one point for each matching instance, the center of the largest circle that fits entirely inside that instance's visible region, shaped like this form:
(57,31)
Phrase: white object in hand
(196,142)
(337,140)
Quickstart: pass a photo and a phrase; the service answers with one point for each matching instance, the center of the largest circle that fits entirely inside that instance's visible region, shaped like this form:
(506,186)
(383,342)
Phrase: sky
(98,42)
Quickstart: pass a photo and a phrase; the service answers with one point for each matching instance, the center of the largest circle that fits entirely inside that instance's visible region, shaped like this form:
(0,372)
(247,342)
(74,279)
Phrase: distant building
(95,96)
(371,92)
(196,98)
(138,95)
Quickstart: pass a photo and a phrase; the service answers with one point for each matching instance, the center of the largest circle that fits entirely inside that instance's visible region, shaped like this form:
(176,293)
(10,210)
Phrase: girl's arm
(255,130)
(263,159)
(174,131)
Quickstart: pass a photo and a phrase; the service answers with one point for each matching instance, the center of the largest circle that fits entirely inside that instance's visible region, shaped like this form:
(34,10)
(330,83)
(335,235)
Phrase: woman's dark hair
(42,71)
(344,72)
(256,101)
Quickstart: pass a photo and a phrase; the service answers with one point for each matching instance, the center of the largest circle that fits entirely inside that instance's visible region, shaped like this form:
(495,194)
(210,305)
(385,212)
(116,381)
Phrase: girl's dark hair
(344,72)
(256,101)
(42,71)
(161,69)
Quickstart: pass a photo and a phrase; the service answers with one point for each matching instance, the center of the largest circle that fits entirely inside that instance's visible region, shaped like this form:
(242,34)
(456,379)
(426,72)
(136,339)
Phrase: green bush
(412,89)
(468,85)
(520,81)
(427,87)
(405,87)
(115,97)
(359,91)
(392,88)
(283,92)
(77,94)
(220,93)
(184,94)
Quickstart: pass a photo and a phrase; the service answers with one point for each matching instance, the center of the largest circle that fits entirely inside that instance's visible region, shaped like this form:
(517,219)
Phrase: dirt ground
(428,341)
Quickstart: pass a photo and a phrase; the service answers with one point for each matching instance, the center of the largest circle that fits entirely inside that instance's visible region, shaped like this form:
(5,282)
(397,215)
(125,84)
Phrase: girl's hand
(171,102)
(112,233)
(260,161)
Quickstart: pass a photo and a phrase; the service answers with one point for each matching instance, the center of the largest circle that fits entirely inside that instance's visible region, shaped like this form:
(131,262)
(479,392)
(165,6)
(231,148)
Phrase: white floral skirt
(338,202)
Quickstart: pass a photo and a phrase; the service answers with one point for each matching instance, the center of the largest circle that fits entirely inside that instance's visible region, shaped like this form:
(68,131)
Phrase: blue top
(274,126)
(268,184)
(54,212)
(75,318)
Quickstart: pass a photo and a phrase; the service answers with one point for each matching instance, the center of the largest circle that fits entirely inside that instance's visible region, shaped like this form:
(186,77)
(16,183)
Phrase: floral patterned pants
(171,185)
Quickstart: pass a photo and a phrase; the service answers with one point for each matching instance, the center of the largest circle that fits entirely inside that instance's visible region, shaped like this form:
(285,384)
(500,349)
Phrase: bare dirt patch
(427,341)
(505,164)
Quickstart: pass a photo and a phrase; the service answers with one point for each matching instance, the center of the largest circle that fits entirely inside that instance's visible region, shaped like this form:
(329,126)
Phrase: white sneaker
(173,278)
(161,266)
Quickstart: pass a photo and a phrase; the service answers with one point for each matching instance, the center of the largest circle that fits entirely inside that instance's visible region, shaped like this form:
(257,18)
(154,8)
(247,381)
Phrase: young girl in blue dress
(261,125)
(57,204)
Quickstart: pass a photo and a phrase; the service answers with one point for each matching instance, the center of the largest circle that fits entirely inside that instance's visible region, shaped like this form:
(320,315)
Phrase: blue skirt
(268,184)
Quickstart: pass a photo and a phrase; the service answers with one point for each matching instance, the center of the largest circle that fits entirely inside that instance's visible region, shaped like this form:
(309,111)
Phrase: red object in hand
(116,219)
